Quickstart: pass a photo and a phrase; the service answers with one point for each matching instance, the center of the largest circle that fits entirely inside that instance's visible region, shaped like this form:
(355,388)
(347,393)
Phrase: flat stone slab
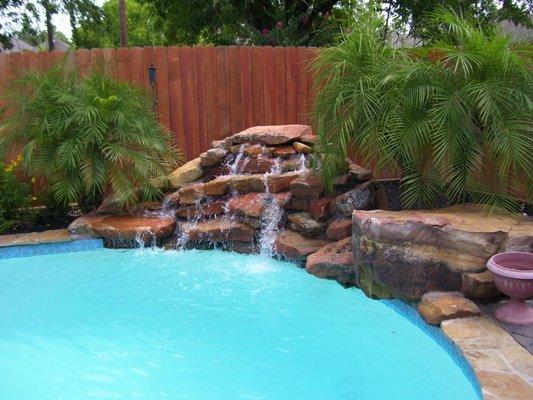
(123,227)
(339,229)
(436,307)
(271,134)
(503,367)
(50,236)
(333,261)
(220,230)
(296,247)
(413,252)
(187,173)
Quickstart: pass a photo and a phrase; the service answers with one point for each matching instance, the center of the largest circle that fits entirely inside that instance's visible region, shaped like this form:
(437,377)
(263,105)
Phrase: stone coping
(32,238)
(503,367)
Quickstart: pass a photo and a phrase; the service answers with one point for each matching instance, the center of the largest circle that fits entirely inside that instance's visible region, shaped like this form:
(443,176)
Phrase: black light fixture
(152,77)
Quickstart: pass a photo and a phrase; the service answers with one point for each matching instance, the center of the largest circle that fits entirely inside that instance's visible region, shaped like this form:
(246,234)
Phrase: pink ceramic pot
(513,275)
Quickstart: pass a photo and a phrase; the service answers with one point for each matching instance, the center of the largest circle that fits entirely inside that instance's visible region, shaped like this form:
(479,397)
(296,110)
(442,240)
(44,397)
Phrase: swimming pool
(132,324)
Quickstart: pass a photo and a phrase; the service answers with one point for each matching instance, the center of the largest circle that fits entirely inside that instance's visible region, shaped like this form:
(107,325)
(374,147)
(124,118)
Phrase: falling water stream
(271,217)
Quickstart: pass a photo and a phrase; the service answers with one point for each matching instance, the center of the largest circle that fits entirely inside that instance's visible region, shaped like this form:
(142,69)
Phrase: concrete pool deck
(503,366)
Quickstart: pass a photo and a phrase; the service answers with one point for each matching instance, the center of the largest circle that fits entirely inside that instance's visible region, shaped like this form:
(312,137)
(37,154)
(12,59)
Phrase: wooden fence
(203,93)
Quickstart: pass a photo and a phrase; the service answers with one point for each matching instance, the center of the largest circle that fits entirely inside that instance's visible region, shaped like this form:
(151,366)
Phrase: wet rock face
(124,227)
(436,307)
(339,229)
(334,261)
(187,173)
(296,247)
(359,198)
(409,253)
(192,193)
(220,230)
(213,157)
(307,226)
(307,186)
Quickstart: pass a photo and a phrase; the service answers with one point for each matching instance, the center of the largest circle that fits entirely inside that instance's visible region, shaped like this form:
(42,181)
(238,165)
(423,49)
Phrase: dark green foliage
(89,137)
(226,22)
(458,124)
(14,198)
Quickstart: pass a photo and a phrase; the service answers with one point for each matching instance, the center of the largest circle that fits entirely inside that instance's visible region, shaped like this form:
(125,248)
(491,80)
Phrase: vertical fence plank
(280,86)
(245,55)
(148,60)
(211,93)
(235,90)
(136,66)
(291,61)
(83,61)
(311,55)
(163,106)
(192,145)
(175,103)
(301,85)
(110,60)
(268,85)
(258,101)
(223,92)
(200,97)
(123,64)
(204,93)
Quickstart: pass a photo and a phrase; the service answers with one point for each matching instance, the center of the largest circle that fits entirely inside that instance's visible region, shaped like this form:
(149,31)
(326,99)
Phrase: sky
(62,24)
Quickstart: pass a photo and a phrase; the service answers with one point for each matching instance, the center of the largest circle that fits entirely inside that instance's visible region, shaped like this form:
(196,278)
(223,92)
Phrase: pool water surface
(145,324)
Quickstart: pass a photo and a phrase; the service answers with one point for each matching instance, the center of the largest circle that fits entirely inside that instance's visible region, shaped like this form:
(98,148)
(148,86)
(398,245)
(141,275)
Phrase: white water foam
(272,216)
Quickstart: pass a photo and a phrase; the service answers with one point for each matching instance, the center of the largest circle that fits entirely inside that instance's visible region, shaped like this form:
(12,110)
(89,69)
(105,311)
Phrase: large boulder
(192,193)
(123,228)
(480,286)
(319,208)
(302,148)
(271,135)
(307,186)
(213,157)
(219,230)
(187,173)
(209,209)
(250,204)
(303,222)
(248,183)
(218,186)
(296,247)
(359,198)
(334,261)
(339,229)
(281,182)
(436,307)
(409,253)
(358,172)
(283,151)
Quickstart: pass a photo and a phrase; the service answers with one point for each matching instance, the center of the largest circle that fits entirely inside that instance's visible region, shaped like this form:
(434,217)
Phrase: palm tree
(456,122)
(88,137)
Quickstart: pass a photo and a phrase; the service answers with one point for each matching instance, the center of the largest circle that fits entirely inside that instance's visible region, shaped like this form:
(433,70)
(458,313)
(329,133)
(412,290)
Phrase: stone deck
(522,334)
(503,367)
(51,236)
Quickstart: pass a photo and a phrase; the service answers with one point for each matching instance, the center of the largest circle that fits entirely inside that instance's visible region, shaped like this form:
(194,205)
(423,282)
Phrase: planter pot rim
(501,264)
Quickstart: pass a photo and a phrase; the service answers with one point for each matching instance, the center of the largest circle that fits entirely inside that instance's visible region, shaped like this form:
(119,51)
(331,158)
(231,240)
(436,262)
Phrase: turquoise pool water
(131,324)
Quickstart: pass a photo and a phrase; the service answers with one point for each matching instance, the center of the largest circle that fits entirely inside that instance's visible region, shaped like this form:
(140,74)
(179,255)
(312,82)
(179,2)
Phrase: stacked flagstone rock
(225,198)
(221,199)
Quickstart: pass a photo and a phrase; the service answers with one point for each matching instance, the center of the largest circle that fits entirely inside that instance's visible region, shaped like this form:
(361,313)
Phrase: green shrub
(14,198)
(457,123)
(88,137)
